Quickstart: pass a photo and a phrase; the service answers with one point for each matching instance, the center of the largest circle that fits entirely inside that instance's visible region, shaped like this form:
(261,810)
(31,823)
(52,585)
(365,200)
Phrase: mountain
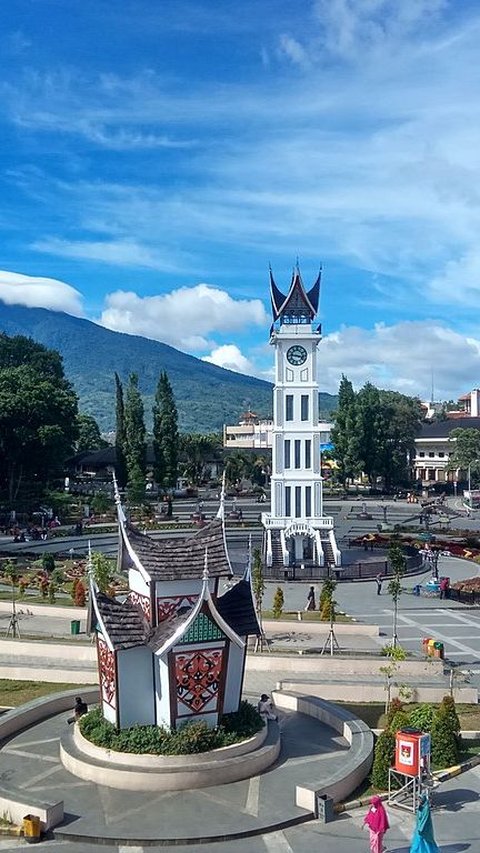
(207,396)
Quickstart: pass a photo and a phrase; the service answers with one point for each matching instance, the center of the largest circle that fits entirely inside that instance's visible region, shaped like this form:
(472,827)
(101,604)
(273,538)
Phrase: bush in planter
(422,717)
(448,704)
(444,739)
(399,721)
(383,760)
(193,737)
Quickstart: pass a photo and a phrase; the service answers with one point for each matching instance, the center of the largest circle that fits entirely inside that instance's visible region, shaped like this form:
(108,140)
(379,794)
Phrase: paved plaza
(455,818)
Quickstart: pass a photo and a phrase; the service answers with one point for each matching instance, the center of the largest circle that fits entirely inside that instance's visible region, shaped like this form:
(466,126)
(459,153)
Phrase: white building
(255,434)
(296,529)
(433,448)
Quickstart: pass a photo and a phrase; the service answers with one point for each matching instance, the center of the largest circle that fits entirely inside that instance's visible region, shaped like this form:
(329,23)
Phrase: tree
(465,450)
(258,582)
(103,571)
(121,463)
(383,760)
(79,594)
(165,435)
(135,446)
(239,466)
(344,434)
(89,437)
(398,565)
(196,450)
(38,416)
(445,742)
(278,602)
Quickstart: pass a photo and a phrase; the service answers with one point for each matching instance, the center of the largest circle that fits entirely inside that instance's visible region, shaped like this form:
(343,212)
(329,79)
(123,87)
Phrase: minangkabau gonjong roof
(298,305)
(180,559)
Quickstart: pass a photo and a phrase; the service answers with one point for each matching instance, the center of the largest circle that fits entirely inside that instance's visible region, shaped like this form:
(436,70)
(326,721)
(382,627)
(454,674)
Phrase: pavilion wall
(136,701)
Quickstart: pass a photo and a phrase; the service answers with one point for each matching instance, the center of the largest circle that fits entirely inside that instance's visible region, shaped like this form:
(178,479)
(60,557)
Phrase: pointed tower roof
(237,605)
(298,302)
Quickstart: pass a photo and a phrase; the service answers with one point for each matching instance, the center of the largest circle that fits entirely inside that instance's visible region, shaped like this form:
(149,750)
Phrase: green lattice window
(203,630)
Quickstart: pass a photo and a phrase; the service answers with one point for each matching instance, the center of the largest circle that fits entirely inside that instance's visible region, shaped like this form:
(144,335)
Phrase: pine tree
(121,464)
(278,602)
(165,435)
(344,432)
(135,447)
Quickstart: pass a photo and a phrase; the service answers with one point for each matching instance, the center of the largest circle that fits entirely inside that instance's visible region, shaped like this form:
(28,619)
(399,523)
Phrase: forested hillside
(207,396)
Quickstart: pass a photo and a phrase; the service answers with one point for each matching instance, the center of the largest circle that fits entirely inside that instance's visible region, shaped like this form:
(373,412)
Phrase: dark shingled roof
(123,622)
(165,630)
(180,559)
(442,429)
(237,609)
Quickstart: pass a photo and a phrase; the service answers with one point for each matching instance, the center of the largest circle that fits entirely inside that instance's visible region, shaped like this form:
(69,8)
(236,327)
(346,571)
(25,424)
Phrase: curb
(440,776)
(11,831)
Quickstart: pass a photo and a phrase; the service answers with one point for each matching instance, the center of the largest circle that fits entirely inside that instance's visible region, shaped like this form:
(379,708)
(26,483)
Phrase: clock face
(296,355)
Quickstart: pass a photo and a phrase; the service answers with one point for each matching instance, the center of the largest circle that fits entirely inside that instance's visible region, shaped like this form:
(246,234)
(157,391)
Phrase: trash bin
(31,828)
(438,650)
(324,808)
(75,626)
(425,643)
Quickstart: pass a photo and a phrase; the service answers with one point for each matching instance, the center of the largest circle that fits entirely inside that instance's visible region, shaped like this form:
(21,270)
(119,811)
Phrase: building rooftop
(237,608)
(442,429)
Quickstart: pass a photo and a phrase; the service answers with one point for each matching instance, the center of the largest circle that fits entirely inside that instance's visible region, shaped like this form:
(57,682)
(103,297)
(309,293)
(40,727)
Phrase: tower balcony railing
(297,525)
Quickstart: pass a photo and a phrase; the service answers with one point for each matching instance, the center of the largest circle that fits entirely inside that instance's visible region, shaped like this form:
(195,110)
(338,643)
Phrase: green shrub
(328,588)
(395,706)
(245,722)
(421,717)
(399,721)
(445,750)
(48,562)
(278,602)
(383,760)
(192,737)
(448,704)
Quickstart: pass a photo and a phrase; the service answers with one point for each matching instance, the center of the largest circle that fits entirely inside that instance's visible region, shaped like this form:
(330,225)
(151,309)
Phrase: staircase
(328,551)
(277,555)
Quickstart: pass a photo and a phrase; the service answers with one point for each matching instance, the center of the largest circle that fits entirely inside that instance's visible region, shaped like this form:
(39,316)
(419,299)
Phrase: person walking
(377,821)
(423,840)
(379,581)
(310,605)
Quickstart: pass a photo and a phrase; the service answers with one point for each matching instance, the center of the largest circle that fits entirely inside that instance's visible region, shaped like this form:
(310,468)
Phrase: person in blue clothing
(423,840)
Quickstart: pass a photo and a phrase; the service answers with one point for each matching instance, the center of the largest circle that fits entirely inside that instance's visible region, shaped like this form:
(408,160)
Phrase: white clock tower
(296,530)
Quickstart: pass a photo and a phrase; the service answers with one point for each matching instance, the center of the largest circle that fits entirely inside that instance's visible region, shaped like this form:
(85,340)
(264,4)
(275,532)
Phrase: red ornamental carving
(169,606)
(107,673)
(197,676)
(143,601)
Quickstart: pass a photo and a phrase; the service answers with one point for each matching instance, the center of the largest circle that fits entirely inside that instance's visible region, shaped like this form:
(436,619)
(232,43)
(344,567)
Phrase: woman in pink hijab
(377,821)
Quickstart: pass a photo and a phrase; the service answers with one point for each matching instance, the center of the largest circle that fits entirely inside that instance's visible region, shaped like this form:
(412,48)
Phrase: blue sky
(156,157)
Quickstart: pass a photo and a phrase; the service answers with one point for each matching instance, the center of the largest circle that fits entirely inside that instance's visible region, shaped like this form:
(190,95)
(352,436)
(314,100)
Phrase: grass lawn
(307,616)
(13,693)
(373,714)
(62,600)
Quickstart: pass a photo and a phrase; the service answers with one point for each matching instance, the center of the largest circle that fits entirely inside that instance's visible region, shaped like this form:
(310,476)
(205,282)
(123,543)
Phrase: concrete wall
(198,773)
(327,665)
(375,691)
(358,760)
(342,629)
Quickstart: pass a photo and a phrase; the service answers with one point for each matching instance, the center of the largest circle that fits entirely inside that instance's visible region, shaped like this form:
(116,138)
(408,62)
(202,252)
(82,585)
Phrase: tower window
(308,501)
(288,501)
(297,453)
(289,407)
(287,453)
(308,453)
(304,413)
(298,501)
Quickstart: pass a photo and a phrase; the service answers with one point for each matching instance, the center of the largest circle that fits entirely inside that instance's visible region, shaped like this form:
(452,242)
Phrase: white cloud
(402,357)
(39,292)
(128,253)
(231,357)
(183,317)
(293,50)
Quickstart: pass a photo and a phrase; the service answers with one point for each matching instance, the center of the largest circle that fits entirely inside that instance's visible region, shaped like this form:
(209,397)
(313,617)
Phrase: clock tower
(296,530)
